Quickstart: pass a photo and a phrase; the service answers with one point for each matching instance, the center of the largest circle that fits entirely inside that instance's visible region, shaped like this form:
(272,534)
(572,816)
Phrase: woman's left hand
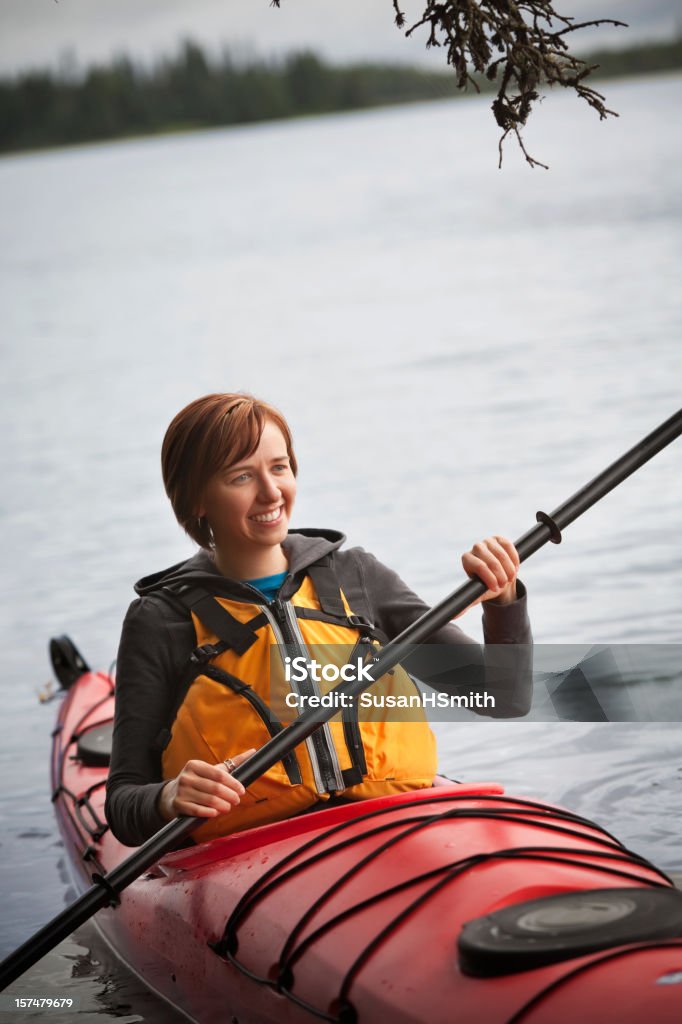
(495,561)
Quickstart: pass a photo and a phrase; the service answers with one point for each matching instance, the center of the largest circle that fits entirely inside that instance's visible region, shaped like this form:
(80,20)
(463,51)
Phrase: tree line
(46,108)
(189,91)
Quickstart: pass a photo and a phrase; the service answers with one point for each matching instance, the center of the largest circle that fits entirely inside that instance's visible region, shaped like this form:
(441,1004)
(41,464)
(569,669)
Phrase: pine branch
(522,44)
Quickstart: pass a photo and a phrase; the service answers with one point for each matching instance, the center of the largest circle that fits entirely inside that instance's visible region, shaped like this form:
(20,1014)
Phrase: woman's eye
(241,478)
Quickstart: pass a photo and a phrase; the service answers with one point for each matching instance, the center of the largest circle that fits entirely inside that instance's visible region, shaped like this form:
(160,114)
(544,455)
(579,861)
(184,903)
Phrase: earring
(201,520)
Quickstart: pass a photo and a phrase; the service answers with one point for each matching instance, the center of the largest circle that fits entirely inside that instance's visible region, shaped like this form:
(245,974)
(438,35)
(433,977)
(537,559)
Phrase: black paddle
(106,889)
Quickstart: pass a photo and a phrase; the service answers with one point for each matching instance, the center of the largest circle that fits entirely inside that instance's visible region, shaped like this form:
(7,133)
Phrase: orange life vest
(241,697)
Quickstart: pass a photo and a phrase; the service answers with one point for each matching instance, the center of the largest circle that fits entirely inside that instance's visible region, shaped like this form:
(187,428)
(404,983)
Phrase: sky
(45,33)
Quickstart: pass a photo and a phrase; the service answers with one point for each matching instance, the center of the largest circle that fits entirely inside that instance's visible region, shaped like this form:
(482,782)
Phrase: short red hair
(208,435)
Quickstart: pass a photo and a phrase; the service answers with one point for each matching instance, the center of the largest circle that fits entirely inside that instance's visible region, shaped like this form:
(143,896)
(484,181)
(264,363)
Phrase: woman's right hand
(203,790)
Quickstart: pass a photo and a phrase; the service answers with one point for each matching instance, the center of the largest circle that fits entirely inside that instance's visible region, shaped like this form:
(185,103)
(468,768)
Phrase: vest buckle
(200,655)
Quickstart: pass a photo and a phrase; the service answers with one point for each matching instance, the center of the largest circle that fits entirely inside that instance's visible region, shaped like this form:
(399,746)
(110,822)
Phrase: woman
(197,676)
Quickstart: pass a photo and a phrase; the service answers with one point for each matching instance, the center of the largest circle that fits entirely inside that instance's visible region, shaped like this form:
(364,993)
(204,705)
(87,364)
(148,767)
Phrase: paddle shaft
(547,529)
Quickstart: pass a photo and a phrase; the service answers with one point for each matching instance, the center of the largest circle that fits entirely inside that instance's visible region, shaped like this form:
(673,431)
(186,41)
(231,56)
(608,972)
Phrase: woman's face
(249,505)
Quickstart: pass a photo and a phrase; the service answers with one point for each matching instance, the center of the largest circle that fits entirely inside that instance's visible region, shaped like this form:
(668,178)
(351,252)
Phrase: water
(455,348)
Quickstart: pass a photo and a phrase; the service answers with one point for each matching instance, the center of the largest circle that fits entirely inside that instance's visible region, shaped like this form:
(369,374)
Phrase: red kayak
(452,904)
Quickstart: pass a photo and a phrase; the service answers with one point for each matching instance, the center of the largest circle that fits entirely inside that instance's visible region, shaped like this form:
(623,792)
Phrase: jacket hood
(302,547)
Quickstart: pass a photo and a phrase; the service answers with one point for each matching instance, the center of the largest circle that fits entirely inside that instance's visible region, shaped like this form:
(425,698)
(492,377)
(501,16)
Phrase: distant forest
(190,90)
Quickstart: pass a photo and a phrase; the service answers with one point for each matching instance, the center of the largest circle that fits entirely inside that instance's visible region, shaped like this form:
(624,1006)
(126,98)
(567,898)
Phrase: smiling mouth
(268,517)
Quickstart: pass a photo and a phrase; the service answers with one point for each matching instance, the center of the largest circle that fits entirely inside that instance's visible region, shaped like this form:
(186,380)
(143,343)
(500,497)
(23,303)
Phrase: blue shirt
(268,585)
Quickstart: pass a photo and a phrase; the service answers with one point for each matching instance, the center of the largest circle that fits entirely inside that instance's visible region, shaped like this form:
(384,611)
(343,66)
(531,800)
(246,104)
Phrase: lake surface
(455,347)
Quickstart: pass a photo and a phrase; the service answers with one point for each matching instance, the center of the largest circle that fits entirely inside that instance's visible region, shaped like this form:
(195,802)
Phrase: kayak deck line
(355,913)
(291,952)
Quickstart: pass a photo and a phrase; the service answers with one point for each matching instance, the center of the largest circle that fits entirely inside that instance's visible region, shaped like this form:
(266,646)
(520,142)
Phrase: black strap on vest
(240,636)
(353,776)
(356,621)
(328,591)
(327,587)
(356,595)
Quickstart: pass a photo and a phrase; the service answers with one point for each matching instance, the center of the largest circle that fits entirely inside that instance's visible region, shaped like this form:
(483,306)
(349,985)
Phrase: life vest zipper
(320,746)
(331,764)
